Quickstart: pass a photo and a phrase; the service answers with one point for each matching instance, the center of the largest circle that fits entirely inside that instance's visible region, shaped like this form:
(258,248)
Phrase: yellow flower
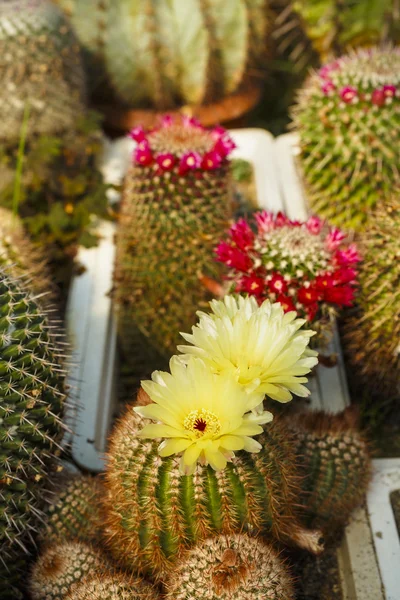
(201,414)
(263,348)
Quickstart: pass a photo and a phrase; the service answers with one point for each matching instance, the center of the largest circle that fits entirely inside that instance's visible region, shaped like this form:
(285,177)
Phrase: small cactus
(74,511)
(348,120)
(230,566)
(176,204)
(60,566)
(372,334)
(113,586)
(335,465)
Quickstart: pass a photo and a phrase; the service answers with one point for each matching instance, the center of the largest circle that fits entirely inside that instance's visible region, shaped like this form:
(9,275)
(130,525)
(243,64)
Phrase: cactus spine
(31,405)
(60,566)
(112,587)
(371,335)
(74,512)
(153,513)
(350,152)
(231,566)
(335,464)
(168,54)
(176,205)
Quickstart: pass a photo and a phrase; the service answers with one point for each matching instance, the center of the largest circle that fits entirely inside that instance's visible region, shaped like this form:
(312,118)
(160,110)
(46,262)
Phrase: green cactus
(171,219)
(40,65)
(112,587)
(31,404)
(372,334)
(348,120)
(60,566)
(74,511)
(231,566)
(335,465)
(152,513)
(166,54)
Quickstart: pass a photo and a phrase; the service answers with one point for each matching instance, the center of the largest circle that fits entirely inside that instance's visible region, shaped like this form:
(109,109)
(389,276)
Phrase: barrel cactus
(60,566)
(372,334)
(335,466)
(40,68)
(32,397)
(167,54)
(112,586)
(348,120)
(176,204)
(231,566)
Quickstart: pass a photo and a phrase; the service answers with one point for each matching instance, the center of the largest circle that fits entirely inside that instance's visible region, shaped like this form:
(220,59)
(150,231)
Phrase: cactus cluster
(168,54)
(348,120)
(31,405)
(231,566)
(372,334)
(176,204)
(113,586)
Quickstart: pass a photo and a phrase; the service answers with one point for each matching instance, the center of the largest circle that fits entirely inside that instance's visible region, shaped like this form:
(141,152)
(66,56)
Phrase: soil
(317,577)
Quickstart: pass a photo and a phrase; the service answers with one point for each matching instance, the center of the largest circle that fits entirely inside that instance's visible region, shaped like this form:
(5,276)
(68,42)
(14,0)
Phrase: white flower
(264,349)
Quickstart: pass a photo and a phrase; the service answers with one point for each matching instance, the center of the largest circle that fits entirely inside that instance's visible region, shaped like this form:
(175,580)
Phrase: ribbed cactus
(231,566)
(112,587)
(335,465)
(176,204)
(31,404)
(167,54)
(74,511)
(348,120)
(40,67)
(60,566)
(153,512)
(372,335)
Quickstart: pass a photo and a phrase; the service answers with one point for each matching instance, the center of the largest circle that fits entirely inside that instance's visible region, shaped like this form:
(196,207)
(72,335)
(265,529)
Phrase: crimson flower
(233,257)
(307,295)
(277,284)
(251,284)
(242,234)
(143,155)
(211,160)
(286,303)
(188,162)
(348,94)
(138,134)
(166,161)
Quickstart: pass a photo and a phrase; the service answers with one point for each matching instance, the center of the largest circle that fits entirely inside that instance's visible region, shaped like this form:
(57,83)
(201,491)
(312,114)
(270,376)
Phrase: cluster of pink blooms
(307,267)
(221,145)
(349,94)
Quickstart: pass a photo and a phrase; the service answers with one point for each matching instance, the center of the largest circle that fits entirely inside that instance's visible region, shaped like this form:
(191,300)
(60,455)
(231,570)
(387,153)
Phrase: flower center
(201,422)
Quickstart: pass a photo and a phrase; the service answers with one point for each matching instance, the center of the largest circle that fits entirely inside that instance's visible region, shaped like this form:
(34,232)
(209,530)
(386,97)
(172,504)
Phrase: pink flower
(325,71)
(253,285)
(166,161)
(188,162)
(348,256)
(211,160)
(218,132)
(314,225)
(327,87)
(307,296)
(191,122)
(334,238)
(277,284)
(265,221)
(233,257)
(143,155)
(389,91)
(341,295)
(281,220)
(138,134)
(242,235)
(167,121)
(348,94)
(378,97)
(344,275)
(286,303)
(224,145)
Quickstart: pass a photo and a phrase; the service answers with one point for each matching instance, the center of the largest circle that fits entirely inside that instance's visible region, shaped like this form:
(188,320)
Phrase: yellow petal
(173,446)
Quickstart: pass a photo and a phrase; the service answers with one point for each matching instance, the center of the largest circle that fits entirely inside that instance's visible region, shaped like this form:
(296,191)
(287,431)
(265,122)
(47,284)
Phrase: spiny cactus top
(231,566)
(372,336)
(31,405)
(176,204)
(167,54)
(306,267)
(40,67)
(112,586)
(348,119)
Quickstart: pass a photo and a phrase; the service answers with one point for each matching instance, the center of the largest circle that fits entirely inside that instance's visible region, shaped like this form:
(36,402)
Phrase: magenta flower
(143,156)
(166,161)
(348,256)
(334,239)
(265,221)
(138,134)
(378,97)
(224,146)
(189,161)
(348,94)
(167,121)
(233,257)
(191,122)
(211,160)
(314,225)
(242,234)
(281,220)
(325,71)
(328,87)
(218,132)
(389,91)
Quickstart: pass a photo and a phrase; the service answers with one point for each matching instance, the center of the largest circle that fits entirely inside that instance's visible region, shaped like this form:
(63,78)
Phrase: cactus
(40,66)
(74,511)
(168,54)
(152,513)
(348,120)
(176,204)
(372,334)
(231,566)
(31,405)
(112,587)
(60,566)
(335,464)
